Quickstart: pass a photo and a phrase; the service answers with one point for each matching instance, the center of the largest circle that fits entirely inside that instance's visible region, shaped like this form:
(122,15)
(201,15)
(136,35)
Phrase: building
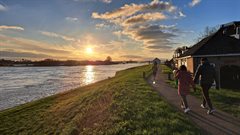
(223,51)
(157,60)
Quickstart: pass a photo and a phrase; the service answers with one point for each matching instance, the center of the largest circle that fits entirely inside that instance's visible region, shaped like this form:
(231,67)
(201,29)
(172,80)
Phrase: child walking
(184,82)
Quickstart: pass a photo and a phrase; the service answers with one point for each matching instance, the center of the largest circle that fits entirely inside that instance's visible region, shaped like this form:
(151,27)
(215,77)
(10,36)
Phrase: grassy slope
(124,104)
(224,99)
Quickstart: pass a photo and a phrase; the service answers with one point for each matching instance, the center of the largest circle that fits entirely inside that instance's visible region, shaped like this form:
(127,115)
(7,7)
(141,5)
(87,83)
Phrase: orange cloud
(140,22)
(5,27)
(141,18)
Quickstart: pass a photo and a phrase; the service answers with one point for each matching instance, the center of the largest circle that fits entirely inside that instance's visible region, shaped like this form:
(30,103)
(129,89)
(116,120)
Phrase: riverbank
(119,105)
(19,85)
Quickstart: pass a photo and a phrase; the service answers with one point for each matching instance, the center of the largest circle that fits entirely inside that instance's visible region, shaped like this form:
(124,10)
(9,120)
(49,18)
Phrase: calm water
(19,85)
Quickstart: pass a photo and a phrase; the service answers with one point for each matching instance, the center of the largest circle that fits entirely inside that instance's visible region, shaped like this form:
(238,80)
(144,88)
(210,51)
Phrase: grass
(166,69)
(224,99)
(124,104)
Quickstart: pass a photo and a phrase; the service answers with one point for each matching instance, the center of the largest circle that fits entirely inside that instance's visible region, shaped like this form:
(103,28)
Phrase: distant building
(157,60)
(223,51)
(170,63)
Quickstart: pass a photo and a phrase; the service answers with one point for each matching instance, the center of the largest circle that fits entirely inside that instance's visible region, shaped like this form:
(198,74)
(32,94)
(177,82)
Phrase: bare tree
(208,31)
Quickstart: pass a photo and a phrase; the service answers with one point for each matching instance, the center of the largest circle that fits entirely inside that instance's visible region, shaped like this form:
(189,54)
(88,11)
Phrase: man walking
(207,76)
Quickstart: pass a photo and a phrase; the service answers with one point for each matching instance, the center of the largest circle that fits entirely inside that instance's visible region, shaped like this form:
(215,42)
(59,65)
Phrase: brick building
(223,51)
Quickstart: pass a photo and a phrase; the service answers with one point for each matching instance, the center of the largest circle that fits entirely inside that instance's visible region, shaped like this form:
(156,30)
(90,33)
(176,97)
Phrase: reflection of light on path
(89,74)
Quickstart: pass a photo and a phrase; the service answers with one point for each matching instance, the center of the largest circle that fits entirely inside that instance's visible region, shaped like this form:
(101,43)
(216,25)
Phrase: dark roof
(217,43)
(157,59)
(234,23)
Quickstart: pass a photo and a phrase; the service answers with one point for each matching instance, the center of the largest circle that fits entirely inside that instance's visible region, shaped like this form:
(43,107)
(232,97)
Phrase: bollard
(144,75)
(169,76)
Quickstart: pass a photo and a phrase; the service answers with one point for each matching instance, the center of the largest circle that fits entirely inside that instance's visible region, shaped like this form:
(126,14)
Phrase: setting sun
(89,50)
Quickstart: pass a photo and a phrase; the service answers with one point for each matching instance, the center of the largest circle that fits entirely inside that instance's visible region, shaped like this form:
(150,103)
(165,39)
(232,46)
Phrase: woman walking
(184,82)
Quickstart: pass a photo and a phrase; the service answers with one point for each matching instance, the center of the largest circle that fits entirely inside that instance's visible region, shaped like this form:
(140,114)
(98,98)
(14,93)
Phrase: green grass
(124,104)
(165,69)
(224,99)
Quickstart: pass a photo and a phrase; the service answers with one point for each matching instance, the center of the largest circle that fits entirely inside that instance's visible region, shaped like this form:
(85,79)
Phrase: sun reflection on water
(89,74)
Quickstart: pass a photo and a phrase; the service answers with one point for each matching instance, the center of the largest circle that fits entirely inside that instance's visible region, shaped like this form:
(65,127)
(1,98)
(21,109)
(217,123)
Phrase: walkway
(220,123)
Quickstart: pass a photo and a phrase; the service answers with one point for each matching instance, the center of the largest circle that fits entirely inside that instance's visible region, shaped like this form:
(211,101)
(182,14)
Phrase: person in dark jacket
(154,69)
(207,75)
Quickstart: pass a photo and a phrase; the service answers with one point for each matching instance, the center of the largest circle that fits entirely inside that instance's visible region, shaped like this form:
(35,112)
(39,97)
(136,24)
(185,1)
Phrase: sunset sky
(95,29)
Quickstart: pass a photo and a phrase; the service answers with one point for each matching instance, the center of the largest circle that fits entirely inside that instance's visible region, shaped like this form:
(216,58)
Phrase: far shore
(53,63)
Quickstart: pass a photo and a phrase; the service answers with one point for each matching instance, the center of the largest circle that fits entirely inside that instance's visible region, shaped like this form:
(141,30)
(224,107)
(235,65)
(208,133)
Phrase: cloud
(118,33)
(158,47)
(142,24)
(126,10)
(144,17)
(104,1)
(26,45)
(194,3)
(4,27)
(71,19)
(153,36)
(131,56)
(166,26)
(161,5)
(131,9)
(13,54)
(102,26)
(3,8)
(181,14)
(52,34)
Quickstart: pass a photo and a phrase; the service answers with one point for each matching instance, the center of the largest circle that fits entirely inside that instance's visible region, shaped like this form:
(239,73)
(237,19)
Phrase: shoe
(186,110)
(204,107)
(211,111)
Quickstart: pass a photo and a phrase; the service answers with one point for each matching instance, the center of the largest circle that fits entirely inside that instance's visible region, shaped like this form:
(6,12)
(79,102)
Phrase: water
(19,85)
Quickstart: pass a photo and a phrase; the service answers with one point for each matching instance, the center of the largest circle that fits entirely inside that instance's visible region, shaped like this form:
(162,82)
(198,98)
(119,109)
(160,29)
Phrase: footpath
(219,123)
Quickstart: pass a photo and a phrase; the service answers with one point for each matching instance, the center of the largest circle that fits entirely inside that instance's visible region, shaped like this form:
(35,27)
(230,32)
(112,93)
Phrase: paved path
(220,123)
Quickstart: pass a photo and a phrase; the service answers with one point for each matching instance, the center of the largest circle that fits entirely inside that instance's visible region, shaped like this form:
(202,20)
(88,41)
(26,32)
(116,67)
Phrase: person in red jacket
(185,80)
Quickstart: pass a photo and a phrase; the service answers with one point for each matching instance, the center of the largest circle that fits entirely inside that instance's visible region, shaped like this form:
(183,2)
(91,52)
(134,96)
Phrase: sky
(122,29)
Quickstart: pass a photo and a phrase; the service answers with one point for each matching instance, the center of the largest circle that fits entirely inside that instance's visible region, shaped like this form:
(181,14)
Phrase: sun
(89,50)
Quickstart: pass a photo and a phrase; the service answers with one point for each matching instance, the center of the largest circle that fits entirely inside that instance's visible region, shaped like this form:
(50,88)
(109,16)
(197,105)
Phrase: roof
(157,59)
(230,28)
(217,43)
(196,47)
(234,23)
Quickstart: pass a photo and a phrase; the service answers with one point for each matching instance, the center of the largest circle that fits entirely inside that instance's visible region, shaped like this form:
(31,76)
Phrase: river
(19,85)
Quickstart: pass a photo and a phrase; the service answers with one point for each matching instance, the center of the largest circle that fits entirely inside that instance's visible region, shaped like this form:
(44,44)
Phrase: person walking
(207,75)
(154,69)
(184,82)
(174,75)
